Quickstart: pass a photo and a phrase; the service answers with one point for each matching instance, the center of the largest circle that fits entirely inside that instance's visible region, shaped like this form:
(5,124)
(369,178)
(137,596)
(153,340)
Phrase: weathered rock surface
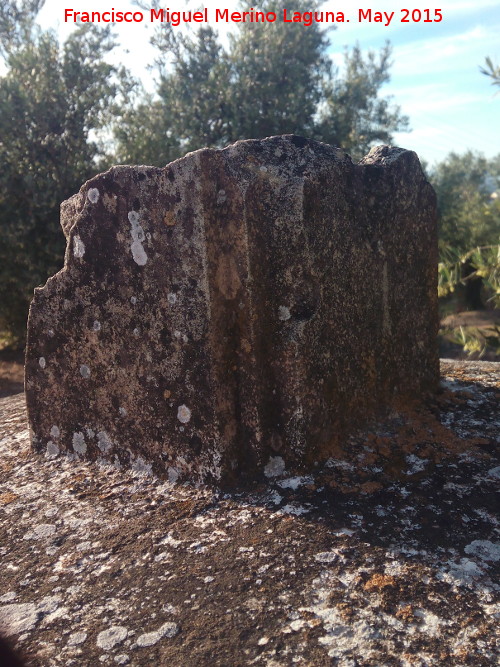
(239,310)
(386,556)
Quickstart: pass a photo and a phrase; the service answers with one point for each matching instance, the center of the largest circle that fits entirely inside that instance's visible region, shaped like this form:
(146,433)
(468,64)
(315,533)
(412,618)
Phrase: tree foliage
(491,70)
(58,103)
(278,74)
(53,98)
(468,191)
(272,78)
(354,116)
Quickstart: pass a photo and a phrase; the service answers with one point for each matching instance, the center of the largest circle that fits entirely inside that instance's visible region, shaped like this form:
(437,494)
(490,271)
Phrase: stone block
(237,311)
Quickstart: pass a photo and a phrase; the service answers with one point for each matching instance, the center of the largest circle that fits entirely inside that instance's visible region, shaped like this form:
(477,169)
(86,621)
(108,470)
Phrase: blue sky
(435,75)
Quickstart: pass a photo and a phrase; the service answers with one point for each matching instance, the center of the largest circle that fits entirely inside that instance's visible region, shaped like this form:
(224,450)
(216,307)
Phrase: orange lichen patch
(330,450)
(425,436)
(462,654)
(8,497)
(169,219)
(406,613)
(246,346)
(370,487)
(411,659)
(378,582)
(343,488)
(385,451)
(346,610)
(480,441)
(414,442)
(368,459)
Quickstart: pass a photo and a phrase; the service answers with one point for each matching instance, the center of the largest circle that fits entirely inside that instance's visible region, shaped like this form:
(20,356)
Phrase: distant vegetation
(66,113)
(491,70)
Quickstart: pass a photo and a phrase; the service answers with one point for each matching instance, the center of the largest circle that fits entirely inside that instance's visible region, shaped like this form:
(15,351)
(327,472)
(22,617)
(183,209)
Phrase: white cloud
(427,98)
(441,53)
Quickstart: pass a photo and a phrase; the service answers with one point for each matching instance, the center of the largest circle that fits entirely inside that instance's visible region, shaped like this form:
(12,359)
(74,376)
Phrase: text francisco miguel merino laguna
(251,16)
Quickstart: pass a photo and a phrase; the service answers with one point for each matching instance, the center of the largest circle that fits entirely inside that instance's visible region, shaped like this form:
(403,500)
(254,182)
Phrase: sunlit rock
(236,307)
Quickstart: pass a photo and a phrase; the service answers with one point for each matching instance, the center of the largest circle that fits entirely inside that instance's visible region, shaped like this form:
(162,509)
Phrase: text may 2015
(253,15)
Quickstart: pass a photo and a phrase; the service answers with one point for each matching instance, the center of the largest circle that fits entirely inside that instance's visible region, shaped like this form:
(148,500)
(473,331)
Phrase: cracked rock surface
(386,555)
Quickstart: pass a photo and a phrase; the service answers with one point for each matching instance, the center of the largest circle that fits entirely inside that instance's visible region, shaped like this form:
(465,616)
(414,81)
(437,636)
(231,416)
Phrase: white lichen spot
(133,300)
(138,253)
(263,641)
(40,532)
(138,236)
(78,247)
(96,326)
(172,298)
(295,509)
(103,442)
(93,195)
(8,597)
(140,466)
(275,467)
(284,313)
(84,371)
(461,573)
(275,497)
(170,541)
(173,474)
(109,638)
(183,414)
(484,549)
(430,623)
(90,432)
(170,609)
(326,557)
(494,473)
(294,482)
(298,624)
(122,412)
(41,362)
(122,659)
(52,449)
(79,444)
(177,334)
(415,464)
(55,432)
(168,629)
(18,618)
(136,332)
(51,333)
(76,638)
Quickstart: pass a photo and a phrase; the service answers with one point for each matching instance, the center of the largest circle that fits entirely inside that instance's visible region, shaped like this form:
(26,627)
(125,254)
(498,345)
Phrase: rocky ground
(387,555)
